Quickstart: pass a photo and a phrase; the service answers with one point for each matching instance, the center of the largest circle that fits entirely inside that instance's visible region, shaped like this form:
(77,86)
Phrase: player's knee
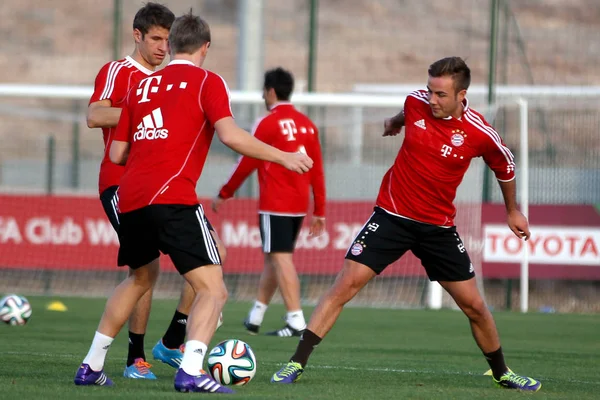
(221,295)
(476,309)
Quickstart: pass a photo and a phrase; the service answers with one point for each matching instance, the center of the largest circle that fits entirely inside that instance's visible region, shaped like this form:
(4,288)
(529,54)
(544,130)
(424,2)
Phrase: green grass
(370,354)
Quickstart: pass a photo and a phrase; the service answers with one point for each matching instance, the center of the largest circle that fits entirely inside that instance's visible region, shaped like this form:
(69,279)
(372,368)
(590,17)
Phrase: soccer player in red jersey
(151,26)
(163,137)
(283,202)
(414,211)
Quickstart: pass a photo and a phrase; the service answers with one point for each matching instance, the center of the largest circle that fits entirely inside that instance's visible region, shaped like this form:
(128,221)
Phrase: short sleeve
(214,98)
(109,85)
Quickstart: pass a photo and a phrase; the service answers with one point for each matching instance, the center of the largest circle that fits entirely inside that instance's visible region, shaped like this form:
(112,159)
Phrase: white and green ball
(15,309)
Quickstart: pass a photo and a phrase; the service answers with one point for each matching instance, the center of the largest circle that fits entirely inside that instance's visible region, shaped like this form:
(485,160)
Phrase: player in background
(163,137)
(415,211)
(283,201)
(151,26)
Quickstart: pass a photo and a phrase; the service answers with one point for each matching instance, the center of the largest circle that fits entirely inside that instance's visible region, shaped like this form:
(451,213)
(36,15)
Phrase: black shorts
(386,237)
(110,203)
(181,231)
(279,232)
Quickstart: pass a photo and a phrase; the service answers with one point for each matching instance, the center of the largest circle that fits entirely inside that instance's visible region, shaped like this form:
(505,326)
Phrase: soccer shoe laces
(514,378)
(142,366)
(289,369)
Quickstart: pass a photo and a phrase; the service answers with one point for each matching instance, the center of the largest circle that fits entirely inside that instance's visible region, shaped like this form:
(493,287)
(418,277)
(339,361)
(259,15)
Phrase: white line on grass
(316,366)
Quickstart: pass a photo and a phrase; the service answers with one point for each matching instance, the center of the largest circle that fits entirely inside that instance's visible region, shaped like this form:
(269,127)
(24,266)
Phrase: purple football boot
(86,376)
(202,383)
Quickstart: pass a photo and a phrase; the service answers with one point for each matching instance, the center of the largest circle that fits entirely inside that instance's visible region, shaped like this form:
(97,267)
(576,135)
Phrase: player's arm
(516,220)
(244,143)
(101,114)
(317,182)
(119,148)
(500,160)
(215,103)
(241,171)
(393,126)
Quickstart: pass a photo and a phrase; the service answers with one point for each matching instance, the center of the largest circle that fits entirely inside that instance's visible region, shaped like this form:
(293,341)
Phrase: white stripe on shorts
(211,248)
(266,223)
(115,206)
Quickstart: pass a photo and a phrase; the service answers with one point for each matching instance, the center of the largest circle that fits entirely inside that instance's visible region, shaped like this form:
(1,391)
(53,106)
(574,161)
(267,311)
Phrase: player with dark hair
(163,137)
(151,26)
(415,211)
(284,200)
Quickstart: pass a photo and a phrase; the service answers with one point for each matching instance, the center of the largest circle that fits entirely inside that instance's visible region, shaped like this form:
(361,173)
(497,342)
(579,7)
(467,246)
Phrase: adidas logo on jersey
(421,124)
(151,127)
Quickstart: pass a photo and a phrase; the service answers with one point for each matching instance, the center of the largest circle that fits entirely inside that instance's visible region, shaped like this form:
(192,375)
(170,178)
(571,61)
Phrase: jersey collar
(280,103)
(181,62)
(139,66)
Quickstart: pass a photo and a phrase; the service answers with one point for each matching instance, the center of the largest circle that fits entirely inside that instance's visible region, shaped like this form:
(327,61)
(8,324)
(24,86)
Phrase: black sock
(308,342)
(496,361)
(136,347)
(175,334)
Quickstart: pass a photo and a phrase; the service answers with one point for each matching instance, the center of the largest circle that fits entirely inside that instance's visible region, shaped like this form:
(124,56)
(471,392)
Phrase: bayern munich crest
(356,249)
(458,138)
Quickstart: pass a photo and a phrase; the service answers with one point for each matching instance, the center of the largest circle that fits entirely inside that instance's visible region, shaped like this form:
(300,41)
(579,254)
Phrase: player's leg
(186,238)
(211,295)
(446,260)
(138,322)
(381,241)
(136,365)
(289,286)
(349,281)
(169,348)
(139,250)
(279,240)
(267,286)
(468,298)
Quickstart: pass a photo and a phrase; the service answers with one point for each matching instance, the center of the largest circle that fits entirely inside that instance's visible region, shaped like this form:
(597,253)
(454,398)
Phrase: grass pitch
(370,354)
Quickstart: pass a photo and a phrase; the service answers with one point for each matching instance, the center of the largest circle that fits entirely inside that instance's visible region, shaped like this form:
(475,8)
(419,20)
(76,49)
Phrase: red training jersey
(433,159)
(284,192)
(113,83)
(169,122)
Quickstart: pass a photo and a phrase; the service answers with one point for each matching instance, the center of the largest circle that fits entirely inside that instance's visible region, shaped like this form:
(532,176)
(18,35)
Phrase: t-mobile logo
(446,150)
(145,87)
(288,128)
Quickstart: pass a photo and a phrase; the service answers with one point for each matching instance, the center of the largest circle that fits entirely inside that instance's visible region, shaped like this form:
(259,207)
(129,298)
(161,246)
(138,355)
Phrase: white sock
(257,313)
(296,320)
(97,354)
(193,357)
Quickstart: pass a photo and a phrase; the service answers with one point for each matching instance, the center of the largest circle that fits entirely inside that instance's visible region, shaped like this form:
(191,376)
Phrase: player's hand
(518,224)
(216,203)
(390,128)
(317,226)
(297,162)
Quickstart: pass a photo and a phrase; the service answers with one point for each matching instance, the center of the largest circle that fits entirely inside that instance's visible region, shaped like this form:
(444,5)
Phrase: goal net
(56,240)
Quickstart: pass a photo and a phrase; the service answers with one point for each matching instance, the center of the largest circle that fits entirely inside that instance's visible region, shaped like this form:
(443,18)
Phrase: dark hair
(188,33)
(454,67)
(153,14)
(281,81)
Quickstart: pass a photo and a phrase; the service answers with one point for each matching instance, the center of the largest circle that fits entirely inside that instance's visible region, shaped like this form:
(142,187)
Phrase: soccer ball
(15,309)
(232,362)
